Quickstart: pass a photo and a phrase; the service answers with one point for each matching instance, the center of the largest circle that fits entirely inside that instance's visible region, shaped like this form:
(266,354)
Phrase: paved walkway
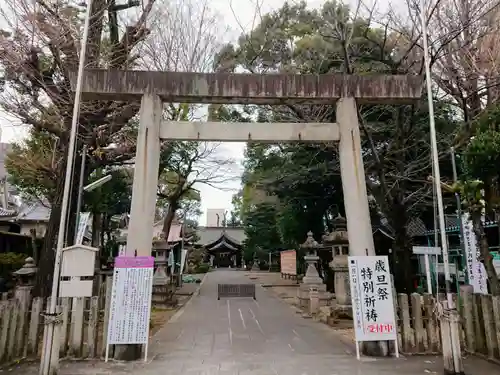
(262,337)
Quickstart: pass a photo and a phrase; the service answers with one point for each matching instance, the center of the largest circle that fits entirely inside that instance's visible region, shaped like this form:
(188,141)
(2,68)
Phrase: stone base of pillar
(128,352)
(375,348)
(343,311)
(303,295)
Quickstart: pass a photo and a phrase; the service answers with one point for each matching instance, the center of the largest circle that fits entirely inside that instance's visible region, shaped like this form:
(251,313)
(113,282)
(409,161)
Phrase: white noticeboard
(475,269)
(372,300)
(130,308)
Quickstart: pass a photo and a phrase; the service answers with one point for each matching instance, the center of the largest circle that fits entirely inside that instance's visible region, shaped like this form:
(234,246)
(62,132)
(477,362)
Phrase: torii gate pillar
(144,188)
(353,179)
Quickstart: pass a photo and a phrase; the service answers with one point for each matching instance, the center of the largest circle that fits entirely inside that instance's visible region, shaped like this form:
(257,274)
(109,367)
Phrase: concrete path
(262,337)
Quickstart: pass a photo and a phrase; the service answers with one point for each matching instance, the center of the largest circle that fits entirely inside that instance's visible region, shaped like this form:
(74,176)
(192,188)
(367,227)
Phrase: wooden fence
(83,326)
(418,324)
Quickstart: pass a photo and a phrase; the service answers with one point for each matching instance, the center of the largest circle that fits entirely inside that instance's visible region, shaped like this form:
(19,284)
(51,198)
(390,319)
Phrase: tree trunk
(169,218)
(402,266)
(486,257)
(43,281)
(96,229)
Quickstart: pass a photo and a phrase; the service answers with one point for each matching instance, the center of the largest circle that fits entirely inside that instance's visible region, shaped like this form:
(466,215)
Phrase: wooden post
(466,292)
(75,349)
(107,306)
(6,308)
(489,326)
(496,316)
(406,330)
(418,324)
(66,305)
(11,339)
(478,325)
(431,326)
(34,328)
(92,327)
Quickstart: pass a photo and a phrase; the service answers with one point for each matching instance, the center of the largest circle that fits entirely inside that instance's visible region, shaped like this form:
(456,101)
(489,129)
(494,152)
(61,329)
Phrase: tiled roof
(452,224)
(34,212)
(209,235)
(7,213)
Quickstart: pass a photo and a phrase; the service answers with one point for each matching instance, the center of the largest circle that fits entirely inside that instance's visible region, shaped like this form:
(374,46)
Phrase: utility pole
(80,191)
(50,360)
(449,320)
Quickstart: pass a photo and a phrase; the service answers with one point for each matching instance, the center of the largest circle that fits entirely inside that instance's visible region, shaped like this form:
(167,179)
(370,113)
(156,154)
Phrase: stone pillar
(353,180)
(357,210)
(144,189)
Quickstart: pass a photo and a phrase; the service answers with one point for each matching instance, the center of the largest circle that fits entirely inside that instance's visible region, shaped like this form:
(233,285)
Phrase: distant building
(215,217)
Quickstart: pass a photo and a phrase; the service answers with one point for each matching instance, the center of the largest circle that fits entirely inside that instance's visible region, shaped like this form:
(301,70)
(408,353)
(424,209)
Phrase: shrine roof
(210,235)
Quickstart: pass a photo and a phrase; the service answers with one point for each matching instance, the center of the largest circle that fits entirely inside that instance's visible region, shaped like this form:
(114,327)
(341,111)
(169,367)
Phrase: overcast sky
(246,9)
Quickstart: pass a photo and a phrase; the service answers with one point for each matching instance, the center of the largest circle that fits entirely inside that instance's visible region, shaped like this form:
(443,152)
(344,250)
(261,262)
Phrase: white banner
(83,222)
(475,269)
(183,260)
(372,300)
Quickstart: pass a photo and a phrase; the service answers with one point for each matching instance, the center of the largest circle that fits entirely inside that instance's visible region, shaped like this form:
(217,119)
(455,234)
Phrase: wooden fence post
(6,308)
(107,306)
(466,292)
(65,312)
(418,324)
(14,326)
(34,328)
(92,327)
(489,326)
(478,325)
(406,330)
(496,317)
(431,326)
(75,349)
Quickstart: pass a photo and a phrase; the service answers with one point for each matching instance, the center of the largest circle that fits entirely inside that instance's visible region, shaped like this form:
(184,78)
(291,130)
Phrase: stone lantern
(311,280)
(339,242)
(25,277)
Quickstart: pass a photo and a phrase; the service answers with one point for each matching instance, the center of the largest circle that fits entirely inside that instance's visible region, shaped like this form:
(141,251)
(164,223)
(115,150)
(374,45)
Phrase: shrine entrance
(154,88)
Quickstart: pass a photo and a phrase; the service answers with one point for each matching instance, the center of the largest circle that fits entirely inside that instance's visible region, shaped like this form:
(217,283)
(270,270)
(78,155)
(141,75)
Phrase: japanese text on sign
(475,269)
(371,293)
(131,300)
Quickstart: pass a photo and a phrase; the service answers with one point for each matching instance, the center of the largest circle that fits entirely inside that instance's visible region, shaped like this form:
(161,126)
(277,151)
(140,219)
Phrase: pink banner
(134,262)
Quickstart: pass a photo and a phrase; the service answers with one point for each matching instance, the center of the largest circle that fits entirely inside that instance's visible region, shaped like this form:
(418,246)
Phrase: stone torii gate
(154,88)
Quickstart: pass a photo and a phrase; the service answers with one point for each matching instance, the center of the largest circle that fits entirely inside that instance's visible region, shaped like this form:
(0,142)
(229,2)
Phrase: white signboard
(83,221)
(372,300)
(130,301)
(475,269)
(425,250)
